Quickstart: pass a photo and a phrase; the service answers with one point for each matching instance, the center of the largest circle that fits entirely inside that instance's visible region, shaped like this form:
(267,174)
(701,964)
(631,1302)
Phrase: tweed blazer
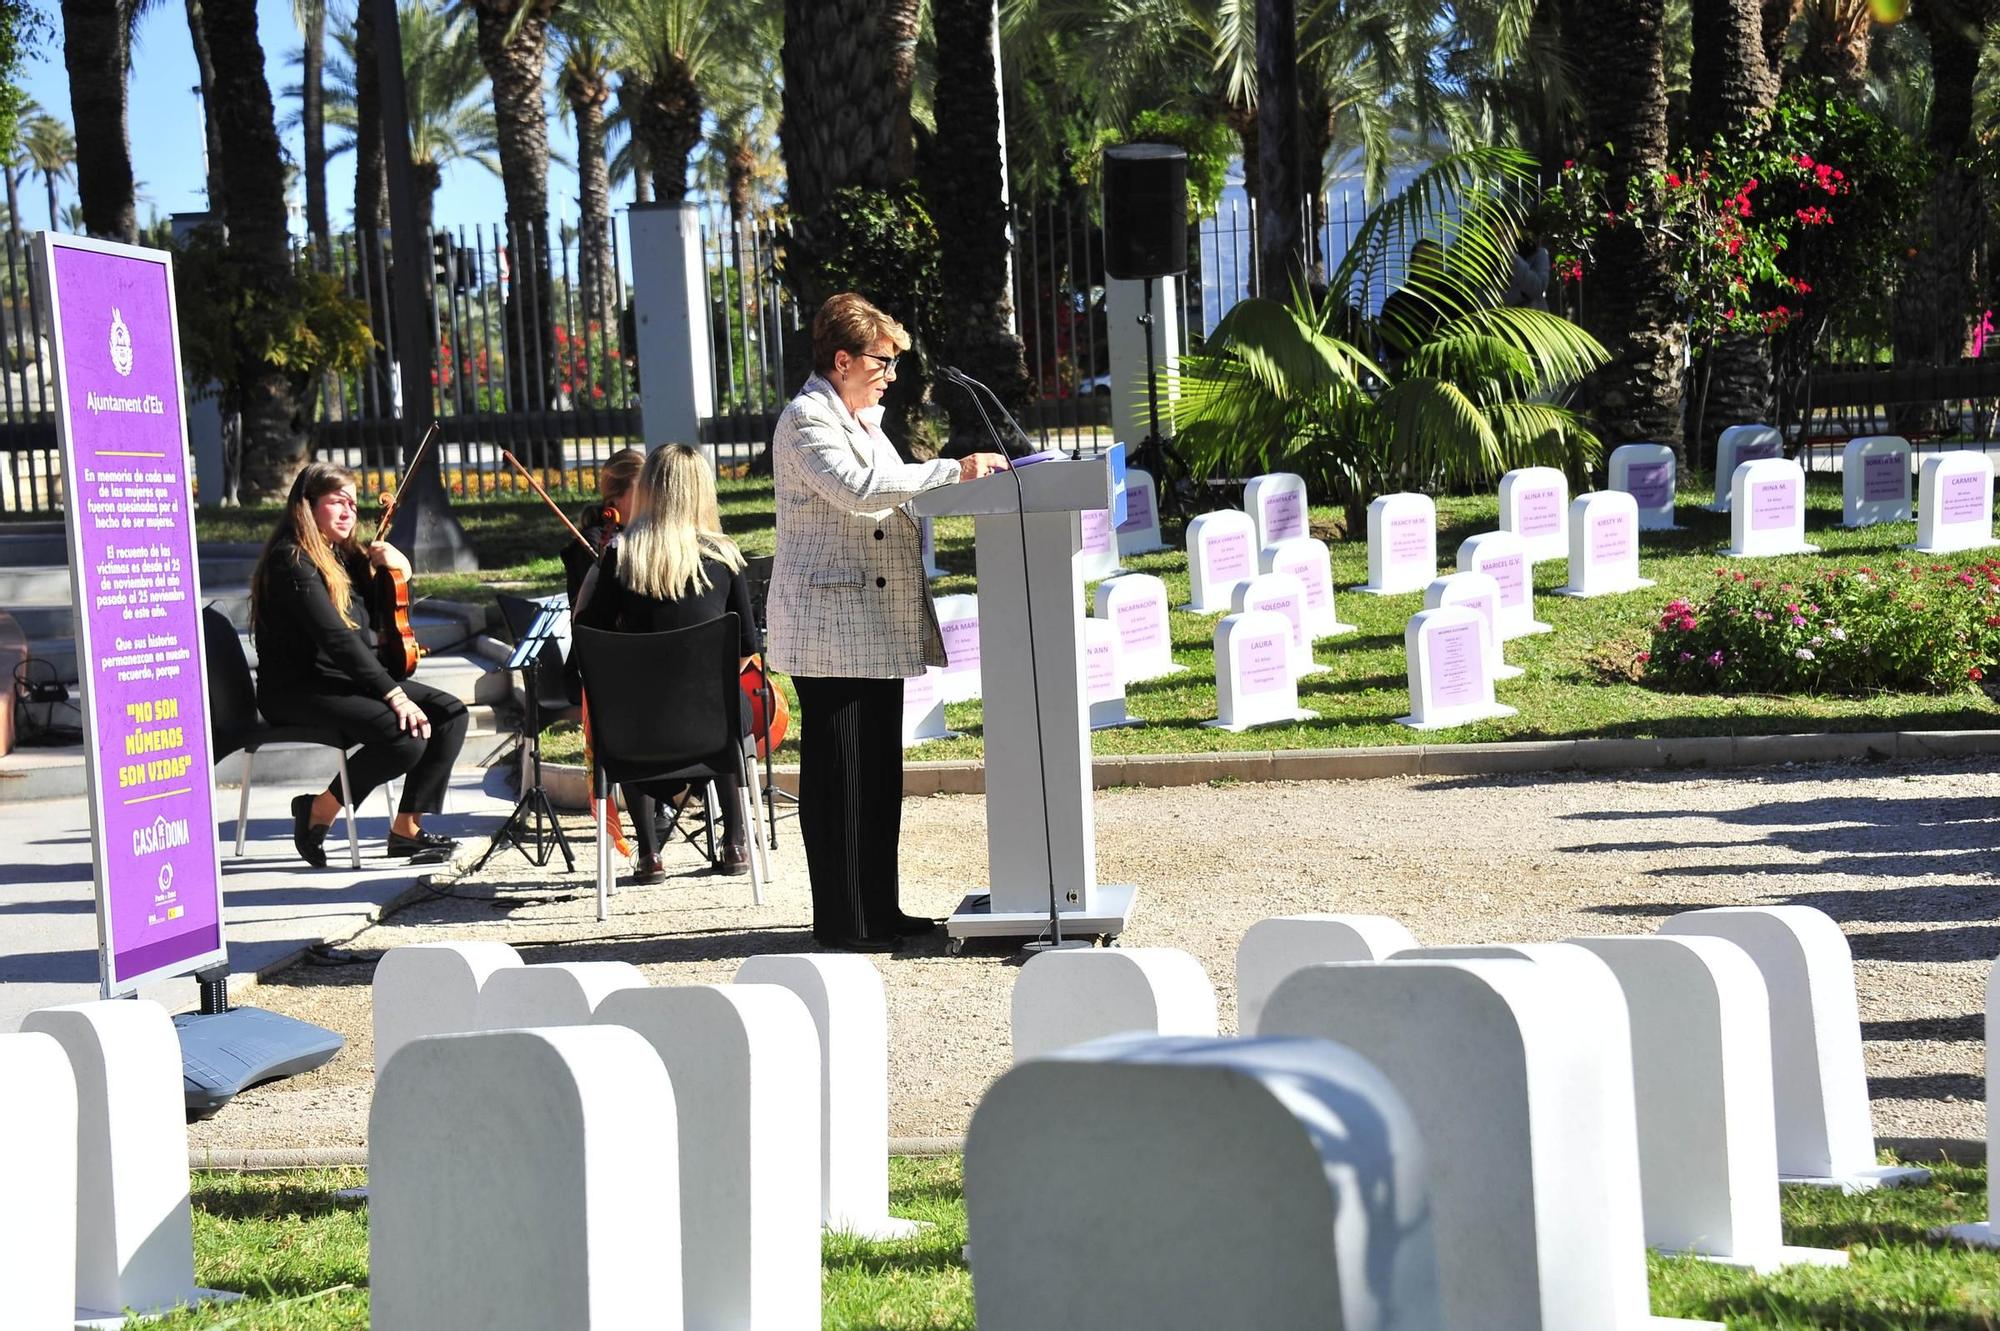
(848,598)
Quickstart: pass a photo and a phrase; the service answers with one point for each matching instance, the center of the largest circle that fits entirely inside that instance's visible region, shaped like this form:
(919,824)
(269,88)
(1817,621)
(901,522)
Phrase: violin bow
(555,508)
(395,500)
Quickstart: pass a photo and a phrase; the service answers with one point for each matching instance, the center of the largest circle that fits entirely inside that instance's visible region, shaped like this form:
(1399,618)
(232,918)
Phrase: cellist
(317,667)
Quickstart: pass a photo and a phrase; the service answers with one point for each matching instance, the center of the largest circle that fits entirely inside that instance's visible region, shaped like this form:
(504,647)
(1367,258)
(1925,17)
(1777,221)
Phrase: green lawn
(301,1256)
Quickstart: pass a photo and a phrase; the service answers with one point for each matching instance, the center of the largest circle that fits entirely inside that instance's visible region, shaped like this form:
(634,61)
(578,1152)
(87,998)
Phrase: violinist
(318,667)
(601,522)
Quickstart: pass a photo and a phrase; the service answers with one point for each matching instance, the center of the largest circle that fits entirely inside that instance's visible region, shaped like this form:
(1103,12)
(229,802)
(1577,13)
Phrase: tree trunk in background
(97,52)
(668,121)
(966,184)
(1631,308)
(1317,129)
(1776,21)
(313,116)
(1243,119)
(371,176)
(1837,38)
(1281,226)
(253,177)
(594,273)
(205,66)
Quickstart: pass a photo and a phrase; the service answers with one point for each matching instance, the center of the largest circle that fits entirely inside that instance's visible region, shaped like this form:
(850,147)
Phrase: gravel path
(1903,856)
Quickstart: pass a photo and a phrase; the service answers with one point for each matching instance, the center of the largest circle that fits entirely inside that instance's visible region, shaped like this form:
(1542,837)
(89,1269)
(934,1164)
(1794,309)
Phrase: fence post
(1125,302)
(670,305)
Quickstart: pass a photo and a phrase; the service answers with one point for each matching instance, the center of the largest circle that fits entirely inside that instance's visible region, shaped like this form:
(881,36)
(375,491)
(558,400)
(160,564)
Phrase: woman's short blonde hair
(849,323)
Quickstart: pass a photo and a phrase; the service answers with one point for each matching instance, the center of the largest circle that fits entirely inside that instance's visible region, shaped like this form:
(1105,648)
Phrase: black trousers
(386,752)
(851,802)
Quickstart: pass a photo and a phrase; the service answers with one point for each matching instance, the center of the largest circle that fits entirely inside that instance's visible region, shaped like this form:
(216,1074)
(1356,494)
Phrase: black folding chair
(667,707)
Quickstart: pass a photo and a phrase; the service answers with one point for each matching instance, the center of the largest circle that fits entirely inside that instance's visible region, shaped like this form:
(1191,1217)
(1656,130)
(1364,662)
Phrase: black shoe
(423,848)
(912,926)
(308,840)
(859,944)
(646,872)
(733,860)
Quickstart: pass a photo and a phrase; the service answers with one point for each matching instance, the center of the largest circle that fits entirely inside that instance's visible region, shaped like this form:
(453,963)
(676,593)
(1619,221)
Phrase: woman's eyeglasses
(888,363)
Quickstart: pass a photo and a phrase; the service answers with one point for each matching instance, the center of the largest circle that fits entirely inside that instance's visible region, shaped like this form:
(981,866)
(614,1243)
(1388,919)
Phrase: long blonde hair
(675,524)
(297,525)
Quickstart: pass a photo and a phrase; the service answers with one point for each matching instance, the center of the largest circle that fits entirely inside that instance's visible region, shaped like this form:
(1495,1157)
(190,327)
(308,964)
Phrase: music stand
(533,816)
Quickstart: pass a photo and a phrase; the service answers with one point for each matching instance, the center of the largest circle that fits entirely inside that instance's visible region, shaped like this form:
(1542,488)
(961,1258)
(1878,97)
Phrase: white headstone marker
(1825,1135)
(1768,513)
(1103,678)
(1737,445)
(1603,546)
(923,709)
(1186,1185)
(564,993)
(927,537)
(851,1016)
(1274,948)
(958,624)
(1498,554)
(38,1176)
(1097,548)
(1986,1233)
(1402,544)
(1648,473)
(1532,505)
(1254,680)
(1954,503)
(1136,605)
(744,1063)
(568,1136)
(1064,998)
(1139,534)
(1450,684)
(1276,503)
(1282,594)
(431,989)
(1480,593)
(1222,551)
(1875,480)
(1311,563)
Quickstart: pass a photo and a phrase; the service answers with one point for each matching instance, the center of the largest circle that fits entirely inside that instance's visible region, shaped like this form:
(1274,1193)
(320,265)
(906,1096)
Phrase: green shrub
(1930,628)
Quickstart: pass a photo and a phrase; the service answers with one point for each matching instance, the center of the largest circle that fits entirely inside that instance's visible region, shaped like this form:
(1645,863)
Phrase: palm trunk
(97,51)
(1281,249)
(371,176)
(1838,47)
(313,114)
(513,48)
(426,177)
(669,124)
(1777,20)
(594,197)
(55,217)
(204,63)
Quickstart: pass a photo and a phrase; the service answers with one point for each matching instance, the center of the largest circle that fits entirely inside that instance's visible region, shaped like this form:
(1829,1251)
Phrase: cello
(396,645)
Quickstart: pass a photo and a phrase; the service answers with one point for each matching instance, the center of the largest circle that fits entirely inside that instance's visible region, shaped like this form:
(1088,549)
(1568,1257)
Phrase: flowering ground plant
(1909,627)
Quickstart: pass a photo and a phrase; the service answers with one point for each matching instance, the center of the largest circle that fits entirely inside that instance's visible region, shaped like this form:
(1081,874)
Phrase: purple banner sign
(1962,498)
(134,578)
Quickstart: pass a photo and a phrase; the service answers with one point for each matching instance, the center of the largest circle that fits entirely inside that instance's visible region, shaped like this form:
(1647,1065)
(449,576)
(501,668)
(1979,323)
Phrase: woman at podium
(850,616)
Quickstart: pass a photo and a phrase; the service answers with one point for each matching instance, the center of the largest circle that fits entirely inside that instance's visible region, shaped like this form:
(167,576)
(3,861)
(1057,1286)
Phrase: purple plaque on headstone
(1409,539)
(1284,517)
(1509,571)
(1457,665)
(961,646)
(1096,531)
(1266,663)
(1099,673)
(1229,558)
(1487,611)
(1611,539)
(1288,606)
(1650,484)
(1138,508)
(1142,625)
(1310,576)
(1540,511)
(1774,505)
(1962,498)
(1884,477)
(919,694)
(1763,448)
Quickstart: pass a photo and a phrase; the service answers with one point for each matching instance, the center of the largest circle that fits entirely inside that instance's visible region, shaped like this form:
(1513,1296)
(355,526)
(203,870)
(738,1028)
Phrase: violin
(396,645)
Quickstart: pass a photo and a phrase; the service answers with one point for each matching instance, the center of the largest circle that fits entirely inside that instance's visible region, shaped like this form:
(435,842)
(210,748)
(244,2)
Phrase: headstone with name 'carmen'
(1480,593)
(1604,546)
(1311,563)
(1254,683)
(1737,445)
(1875,480)
(1103,680)
(1139,534)
(1222,551)
(1097,546)
(1402,545)
(1647,473)
(927,532)
(1276,502)
(1281,592)
(1767,515)
(1954,504)
(923,709)
(958,624)
(1449,682)
(1136,605)
(1499,556)
(1532,500)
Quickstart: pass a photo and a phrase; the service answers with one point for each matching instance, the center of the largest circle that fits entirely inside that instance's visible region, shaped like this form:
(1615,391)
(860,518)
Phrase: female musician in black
(317,666)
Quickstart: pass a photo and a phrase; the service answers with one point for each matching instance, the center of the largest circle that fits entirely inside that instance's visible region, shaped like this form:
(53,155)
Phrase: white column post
(670,303)
(1124,303)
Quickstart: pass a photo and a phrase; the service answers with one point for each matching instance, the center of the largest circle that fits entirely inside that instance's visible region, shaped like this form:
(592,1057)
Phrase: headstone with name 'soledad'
(1737,445)
(1480,593)
(585,1120)
(431,989)
(1532,504)
(1285,595)
(1825,1135)
(1274,948)
(958,625)
(1603,546)
(1954,503)
(1767,515)
(1875,480)
(1499,556)
(1276,503)
(923,709)
(1063,998)
(1136,605)
(1311,563)
(1254,680)
(1986,1233)
(1139,534)
(927,536)
(1222,551)
(39,1175)
(1450,684)
(1097,545)
(560,993)
(1402,545)
(1146,1184)
(1103,680)
(1648,473)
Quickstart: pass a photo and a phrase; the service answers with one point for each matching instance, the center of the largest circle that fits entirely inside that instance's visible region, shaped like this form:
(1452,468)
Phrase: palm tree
(17,164)
(204,62)
(371,168)
(1837,35)
(310,15)
(1281,222)
(97,52)
(630,162)
(849,68)
(583,80)
(1937,301)
(51,151)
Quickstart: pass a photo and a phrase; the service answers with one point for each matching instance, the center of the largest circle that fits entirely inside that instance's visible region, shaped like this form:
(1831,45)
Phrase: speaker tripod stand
(533,821)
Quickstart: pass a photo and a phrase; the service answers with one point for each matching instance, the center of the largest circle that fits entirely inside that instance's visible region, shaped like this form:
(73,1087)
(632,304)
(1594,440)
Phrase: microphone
(973,389)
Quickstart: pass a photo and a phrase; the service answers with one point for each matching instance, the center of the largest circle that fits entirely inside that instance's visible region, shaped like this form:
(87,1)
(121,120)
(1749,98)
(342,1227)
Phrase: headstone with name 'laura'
(923,709)
(1282,593)
(1647,472)
(1737,445)
(1532,500)
(1449,682)
(1954,504)
(1767,515)
(958,624)
(1499,556)
(1311,563)
(1136,605)
(1103,681)
(1222,551)
(1604,546)
(1139,534)
(1097,546)
(1480,593)
(1402,545)
(1276,502)
(1875,480)
(1254,683)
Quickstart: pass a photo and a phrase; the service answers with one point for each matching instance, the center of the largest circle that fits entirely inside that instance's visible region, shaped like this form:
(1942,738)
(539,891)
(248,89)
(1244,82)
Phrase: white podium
(1028,530)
